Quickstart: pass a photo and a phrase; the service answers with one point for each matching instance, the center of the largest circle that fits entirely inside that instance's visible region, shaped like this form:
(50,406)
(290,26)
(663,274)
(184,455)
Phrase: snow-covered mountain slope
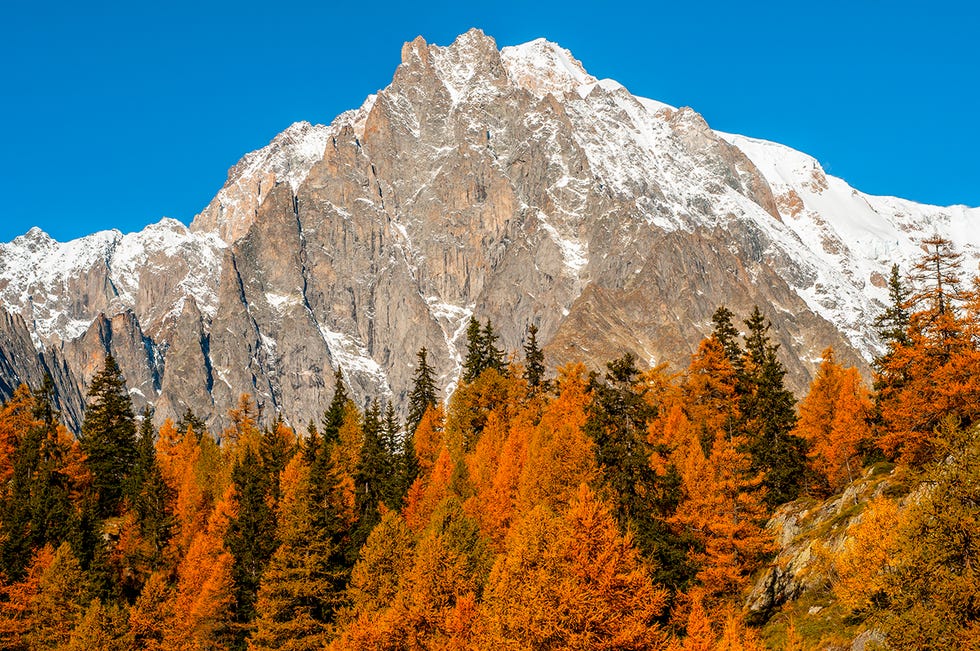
(855,235)
(287,159)
(508,184)
(59,288)
(843,241)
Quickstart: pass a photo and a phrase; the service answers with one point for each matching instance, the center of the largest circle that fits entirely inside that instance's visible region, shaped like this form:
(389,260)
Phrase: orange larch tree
(834,419)
(850,430)
(201,604)
(934,371)
(560,457)
(709,392)
(574,582)
(427,492)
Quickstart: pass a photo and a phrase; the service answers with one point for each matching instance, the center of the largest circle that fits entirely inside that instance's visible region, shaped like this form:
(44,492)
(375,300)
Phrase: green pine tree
(333,418)
(473,364)
(533,360)
(769,416)
(301,587)
(893,323)
(492,357)
(374,468)
(643,500)
(394,489)
(390,430)
(191,421)
(153,497)
(312,443)
(727,334)
(109,439)
(251,533)
(423,394)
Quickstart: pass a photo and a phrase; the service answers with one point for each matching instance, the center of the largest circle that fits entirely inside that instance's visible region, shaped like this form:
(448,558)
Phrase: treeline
(625,510)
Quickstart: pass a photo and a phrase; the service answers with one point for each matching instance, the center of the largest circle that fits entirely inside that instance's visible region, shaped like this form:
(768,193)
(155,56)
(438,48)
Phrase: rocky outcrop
(801,530)
(503,184)
(22,363)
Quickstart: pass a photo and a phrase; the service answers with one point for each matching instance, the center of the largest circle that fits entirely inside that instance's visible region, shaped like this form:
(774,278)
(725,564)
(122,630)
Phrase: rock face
(22,363)
(801,530)
(504,184)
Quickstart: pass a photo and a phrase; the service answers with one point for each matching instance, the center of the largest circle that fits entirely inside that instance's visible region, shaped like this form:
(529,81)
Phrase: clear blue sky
(115,114)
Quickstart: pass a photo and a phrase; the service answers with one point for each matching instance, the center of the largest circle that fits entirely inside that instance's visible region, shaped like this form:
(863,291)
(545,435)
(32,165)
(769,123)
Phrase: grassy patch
(818,619)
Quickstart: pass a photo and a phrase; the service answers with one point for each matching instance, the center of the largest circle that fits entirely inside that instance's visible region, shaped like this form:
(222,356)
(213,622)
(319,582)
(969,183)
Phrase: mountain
(505,184)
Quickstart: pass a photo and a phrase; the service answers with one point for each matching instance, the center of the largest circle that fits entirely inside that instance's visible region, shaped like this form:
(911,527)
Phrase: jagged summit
(542,67)
(502,183)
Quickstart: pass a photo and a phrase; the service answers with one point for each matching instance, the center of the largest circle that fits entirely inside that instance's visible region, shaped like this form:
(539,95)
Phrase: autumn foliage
(618,510)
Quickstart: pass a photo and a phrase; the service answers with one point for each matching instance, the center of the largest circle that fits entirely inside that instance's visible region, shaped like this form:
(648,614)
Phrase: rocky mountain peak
(287,159)
(504,184)
(543,67)
(35,240)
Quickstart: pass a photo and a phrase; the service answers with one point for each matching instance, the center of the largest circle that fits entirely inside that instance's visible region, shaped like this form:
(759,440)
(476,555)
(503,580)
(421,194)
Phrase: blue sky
(115,114)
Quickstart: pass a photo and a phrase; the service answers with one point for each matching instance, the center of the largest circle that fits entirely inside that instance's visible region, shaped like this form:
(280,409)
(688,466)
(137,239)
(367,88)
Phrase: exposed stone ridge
(503,184)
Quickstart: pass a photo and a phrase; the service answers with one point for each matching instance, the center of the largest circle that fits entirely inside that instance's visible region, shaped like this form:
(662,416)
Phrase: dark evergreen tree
(152,494)
(329,521)
(727,334)
(408,465)
(275,451)
(251,533)
(473,364)
(481,351)
(109,439)
(190,420)
(423,394)
(391,431)
(533,360)
(492,357)
(333,418)
(893,328)
(893,323)
(374,470)
(312,443)
(769,416)
(393,439)
(36,508)
(617,422)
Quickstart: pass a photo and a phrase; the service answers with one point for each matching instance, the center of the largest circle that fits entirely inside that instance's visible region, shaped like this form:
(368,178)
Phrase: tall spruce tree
(473,364)
(312,443)
(769,416)
(300,588)
(423,394)
(492,357)
(251,533)
(333,418)
(727,334)
(109,439)
(152,495)
(893,323)
(192,421)
(533,360)
(374,468)
(481,351)
(390,430)
(617,422)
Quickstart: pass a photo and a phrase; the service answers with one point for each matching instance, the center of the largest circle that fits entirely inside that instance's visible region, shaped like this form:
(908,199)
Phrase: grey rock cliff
(503,184)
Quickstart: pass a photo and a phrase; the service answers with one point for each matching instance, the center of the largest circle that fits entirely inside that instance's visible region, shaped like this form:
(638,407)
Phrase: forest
(621,509)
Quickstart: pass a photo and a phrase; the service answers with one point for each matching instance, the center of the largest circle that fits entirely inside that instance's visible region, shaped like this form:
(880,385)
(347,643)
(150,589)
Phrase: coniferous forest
(621,509)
